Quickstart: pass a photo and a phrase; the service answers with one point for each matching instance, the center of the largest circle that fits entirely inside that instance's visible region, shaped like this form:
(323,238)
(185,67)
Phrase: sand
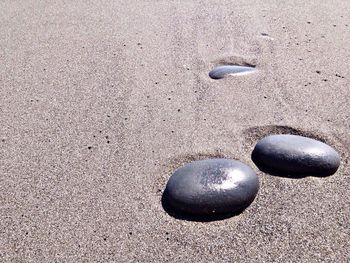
(101,101)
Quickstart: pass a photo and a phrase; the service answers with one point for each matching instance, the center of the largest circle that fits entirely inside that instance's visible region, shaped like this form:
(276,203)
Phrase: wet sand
(100,102)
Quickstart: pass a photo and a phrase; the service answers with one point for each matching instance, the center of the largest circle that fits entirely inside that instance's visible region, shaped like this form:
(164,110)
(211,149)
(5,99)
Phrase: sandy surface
(101,101)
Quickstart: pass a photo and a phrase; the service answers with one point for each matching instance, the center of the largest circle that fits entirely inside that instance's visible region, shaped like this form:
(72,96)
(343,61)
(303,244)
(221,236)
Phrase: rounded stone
(214,186)
(220,72)
(293,155)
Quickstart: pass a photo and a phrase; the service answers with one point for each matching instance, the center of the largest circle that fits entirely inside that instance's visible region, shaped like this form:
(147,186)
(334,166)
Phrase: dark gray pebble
(214,186)
(292,155)
(222,71)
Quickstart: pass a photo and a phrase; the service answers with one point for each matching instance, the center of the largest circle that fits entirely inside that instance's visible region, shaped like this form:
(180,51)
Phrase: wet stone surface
(214,186)
(295,156)
(220,72)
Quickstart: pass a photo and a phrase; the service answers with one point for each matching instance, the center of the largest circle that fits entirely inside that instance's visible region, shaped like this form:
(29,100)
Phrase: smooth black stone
(222,71)
(211,187)
(293,155)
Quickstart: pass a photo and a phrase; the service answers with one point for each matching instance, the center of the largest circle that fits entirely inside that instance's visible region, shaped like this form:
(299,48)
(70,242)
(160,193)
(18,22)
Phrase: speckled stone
(292,155)
(220,72)
(214,186)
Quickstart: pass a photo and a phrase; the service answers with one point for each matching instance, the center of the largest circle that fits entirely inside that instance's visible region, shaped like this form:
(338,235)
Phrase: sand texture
(101,100)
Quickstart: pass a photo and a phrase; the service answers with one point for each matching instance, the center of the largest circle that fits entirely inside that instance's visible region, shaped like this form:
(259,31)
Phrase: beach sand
(101,101)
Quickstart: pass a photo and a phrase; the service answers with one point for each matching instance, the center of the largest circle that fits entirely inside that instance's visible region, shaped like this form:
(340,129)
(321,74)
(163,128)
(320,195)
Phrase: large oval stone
(220,72)
(215,186)
(293,155)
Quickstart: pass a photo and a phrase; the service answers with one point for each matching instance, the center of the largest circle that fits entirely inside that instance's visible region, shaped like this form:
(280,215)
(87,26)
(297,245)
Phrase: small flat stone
(214,186)
(220,72)
(293,155)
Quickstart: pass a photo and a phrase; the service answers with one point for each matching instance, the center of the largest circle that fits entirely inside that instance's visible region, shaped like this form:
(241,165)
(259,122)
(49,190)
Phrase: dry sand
(102,100)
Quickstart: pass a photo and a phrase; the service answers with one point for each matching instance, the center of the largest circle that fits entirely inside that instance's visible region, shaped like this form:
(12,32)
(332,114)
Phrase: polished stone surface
(293,155)
(220,72)
(214,186)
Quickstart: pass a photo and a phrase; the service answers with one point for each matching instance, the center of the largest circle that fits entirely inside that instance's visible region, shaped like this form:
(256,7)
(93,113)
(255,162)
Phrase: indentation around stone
(255,133)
